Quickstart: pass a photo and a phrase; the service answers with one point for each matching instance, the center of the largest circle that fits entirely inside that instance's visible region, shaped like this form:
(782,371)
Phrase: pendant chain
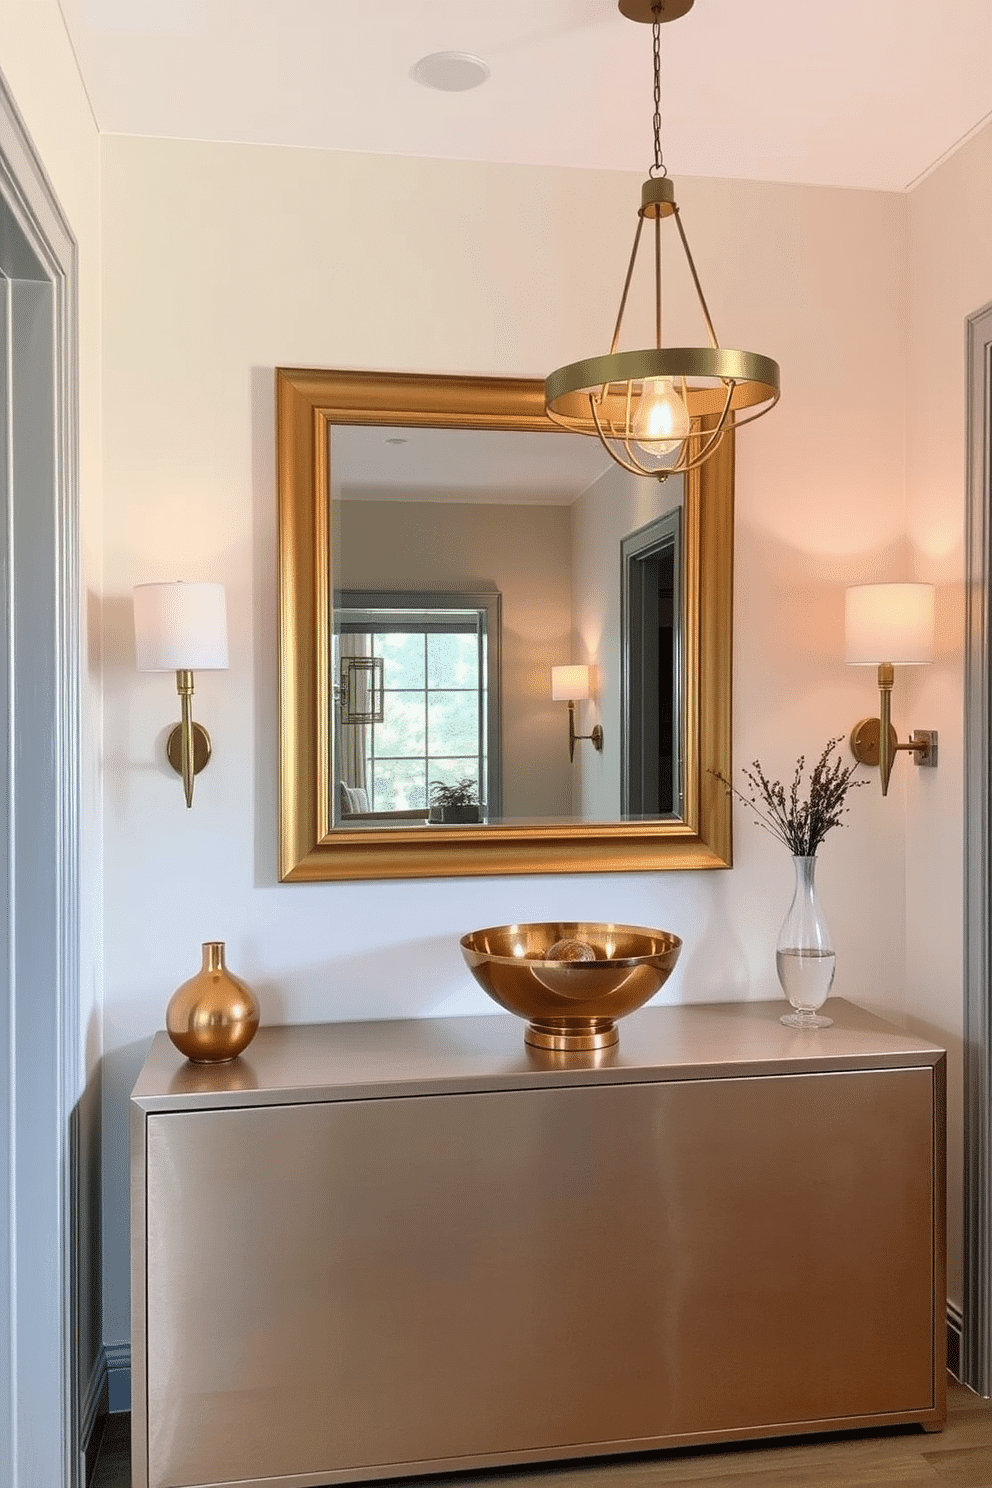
(659,165)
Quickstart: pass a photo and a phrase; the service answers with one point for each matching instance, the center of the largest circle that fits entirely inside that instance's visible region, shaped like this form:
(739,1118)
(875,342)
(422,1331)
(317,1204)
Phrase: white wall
(40,71)
(950,277)
(222,262)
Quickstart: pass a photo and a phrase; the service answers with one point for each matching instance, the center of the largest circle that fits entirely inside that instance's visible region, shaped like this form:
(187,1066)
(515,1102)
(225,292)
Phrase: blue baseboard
(92,1409)
(118,1376)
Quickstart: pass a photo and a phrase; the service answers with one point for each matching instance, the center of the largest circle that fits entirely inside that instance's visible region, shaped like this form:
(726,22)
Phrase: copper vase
(214,1016)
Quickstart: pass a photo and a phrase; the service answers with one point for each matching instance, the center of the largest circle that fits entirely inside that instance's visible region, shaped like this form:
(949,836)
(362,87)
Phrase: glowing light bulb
(661,422)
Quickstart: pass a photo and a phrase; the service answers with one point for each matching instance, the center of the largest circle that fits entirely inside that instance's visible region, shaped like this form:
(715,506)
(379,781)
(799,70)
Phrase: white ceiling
(862,93)
(372,463)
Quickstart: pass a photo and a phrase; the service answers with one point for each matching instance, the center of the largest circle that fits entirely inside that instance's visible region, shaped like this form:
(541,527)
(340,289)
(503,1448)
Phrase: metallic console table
(368,1250)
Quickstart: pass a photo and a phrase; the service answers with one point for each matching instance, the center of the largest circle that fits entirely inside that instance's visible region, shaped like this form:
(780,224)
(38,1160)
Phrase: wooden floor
(961,1456)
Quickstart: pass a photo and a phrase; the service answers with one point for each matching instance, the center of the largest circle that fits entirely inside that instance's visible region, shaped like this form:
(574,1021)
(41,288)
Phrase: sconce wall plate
(202,748)
(866,741)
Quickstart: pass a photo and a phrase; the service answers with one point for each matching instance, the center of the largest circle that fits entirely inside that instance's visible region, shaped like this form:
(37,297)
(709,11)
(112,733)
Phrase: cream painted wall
(40,71)
(525,553)
(950,277)
(222,262)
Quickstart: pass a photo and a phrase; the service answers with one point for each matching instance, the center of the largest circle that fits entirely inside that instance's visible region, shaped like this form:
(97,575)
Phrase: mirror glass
(443,546)
(540,525)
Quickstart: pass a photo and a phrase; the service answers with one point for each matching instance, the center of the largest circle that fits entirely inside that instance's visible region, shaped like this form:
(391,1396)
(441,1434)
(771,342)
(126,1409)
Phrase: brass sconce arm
(596,736)
(188,747)
(875,742)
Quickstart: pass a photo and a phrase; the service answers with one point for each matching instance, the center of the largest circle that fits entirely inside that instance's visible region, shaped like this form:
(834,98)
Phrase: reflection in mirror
(543,523)
(651,693)
(436,719)
(452,487)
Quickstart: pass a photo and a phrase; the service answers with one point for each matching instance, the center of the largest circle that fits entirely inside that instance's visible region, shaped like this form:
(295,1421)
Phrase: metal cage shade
(611,382)
(720,387)
(362,689)
(607,396)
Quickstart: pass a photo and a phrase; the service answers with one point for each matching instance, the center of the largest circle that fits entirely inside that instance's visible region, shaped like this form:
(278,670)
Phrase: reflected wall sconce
(889,625)
(182,628)
(570,684)
(363,696)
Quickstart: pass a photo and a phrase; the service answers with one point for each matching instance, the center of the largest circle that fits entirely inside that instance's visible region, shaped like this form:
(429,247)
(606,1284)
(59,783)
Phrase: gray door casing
(42,1075)
(976,1337)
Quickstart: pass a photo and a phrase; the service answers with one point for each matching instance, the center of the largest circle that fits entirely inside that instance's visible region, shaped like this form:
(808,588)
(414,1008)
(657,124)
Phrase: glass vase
(804,955)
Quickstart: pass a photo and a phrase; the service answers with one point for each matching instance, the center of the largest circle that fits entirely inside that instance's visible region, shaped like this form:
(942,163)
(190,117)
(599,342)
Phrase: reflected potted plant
(455,803)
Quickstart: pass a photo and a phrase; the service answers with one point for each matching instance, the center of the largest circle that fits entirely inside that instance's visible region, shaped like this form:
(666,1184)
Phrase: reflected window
(436,723)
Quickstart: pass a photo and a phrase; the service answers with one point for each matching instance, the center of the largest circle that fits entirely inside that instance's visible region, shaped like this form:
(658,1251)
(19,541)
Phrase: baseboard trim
(93,1408)
(955,1327)
(118,1376)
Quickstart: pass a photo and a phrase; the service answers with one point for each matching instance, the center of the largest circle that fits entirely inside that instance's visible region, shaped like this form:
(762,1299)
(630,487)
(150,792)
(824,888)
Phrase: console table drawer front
(381,1284)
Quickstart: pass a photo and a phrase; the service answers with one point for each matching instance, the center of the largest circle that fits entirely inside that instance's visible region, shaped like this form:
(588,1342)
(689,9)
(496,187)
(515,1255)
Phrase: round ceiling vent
(452,72)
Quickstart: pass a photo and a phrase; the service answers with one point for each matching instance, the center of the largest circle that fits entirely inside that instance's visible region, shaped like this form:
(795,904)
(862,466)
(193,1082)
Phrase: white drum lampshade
(889,622)
(569,684)
(180,627)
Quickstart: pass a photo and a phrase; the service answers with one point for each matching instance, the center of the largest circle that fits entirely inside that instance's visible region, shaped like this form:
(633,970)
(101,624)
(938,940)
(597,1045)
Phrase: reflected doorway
(650,715)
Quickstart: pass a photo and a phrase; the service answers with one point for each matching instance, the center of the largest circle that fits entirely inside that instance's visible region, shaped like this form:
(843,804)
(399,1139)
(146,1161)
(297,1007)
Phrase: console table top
(297,1063)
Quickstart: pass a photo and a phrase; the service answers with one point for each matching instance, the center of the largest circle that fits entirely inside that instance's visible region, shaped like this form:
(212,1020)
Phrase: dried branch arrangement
(800,821)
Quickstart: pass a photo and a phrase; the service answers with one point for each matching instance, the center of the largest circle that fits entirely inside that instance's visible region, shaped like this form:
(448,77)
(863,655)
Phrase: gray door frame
(976,1336)
(41,1077)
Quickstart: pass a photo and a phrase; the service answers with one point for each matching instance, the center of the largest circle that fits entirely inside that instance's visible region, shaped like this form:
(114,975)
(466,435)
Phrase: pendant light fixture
(664,409)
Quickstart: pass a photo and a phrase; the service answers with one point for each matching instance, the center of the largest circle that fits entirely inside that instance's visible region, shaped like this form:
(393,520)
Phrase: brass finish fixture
(595,737)
(889,624)
(202,748)
(363,696)
(571,1000)
(661,410)
(183,628)
(570,684)
(188,748)
(874,741)
(309,404)
(214,1016)
(643,10)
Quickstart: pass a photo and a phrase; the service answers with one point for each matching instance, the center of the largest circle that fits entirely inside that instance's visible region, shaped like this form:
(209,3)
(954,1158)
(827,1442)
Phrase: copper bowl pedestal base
(570,1037)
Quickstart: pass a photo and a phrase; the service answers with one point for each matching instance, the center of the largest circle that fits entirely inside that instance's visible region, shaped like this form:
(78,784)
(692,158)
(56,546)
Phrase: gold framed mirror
(315,842)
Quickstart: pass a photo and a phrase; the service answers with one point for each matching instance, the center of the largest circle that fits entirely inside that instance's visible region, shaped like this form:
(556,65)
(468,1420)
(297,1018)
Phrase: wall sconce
(889,625)
(571,684)
(182,628)
(363,697)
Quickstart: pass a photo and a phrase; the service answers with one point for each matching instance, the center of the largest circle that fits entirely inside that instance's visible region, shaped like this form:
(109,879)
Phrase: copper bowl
(570,1004)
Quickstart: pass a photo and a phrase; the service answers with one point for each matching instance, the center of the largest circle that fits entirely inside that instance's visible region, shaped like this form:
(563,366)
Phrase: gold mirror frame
(310,848)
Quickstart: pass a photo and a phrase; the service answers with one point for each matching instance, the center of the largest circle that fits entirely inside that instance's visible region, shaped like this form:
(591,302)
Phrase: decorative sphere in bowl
(571,980)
